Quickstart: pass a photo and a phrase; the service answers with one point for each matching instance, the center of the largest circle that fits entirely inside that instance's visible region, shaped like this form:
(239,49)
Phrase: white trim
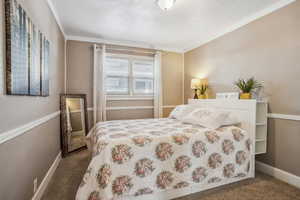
(40,191)
(129,98)
(75,111)
(243,22)
(56,16)
(130,108)
(262,101)
(65,67)
(158,85)
(121,43)
(261,124)
(282,116)
(279,174)
(8,135)
(260,152)
(169,106)
(183,77)
(133,57)
(260,140)
(95,93)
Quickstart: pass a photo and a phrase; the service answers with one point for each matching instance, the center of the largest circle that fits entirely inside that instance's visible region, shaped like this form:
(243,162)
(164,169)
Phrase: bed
(164,158)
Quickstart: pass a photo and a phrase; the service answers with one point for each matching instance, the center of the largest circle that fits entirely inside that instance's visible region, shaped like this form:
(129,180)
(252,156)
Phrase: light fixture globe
(165,4)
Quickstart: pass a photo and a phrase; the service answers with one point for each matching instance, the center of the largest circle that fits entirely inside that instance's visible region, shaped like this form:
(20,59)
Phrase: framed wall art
(27,54)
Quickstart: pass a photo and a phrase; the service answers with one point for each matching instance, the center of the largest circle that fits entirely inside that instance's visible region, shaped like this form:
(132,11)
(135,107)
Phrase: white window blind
(129,76)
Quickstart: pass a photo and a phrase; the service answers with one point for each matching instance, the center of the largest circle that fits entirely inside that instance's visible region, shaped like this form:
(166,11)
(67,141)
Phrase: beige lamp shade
(195,83)
(203,81)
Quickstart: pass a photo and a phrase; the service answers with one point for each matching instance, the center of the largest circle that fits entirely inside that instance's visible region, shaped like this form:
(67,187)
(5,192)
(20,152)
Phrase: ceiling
(189,24)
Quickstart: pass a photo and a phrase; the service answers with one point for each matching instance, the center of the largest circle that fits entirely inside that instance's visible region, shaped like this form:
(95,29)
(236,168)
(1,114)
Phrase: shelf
(260,140)
(260,147)
(261,132)
(261,127)
(261,113)
(262,101)
(261,124)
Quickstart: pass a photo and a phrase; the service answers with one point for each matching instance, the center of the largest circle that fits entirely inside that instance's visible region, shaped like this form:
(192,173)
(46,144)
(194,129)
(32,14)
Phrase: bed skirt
(172,194)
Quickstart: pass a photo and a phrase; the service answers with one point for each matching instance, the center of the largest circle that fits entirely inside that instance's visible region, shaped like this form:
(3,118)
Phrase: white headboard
(245,110)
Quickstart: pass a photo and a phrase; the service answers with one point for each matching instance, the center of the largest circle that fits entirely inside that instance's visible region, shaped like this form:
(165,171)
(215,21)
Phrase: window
(129,75)
(117,76)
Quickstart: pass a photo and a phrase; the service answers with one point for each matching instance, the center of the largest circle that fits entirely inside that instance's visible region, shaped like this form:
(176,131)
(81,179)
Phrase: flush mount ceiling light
(165,4)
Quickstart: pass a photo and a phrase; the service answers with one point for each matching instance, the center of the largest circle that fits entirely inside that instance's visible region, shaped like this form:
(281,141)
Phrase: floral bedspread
(140,157)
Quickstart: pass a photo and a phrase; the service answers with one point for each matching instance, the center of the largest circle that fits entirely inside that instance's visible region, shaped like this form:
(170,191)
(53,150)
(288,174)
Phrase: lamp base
(196,95)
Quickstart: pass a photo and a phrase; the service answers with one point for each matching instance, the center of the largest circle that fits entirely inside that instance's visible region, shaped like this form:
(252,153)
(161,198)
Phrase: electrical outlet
(35,184)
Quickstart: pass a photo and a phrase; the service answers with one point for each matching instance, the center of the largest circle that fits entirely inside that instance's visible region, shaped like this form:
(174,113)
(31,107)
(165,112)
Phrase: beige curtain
(99,96)
(158,112)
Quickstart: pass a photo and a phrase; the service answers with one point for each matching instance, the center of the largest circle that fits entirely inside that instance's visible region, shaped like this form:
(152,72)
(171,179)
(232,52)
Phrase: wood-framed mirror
(74,122)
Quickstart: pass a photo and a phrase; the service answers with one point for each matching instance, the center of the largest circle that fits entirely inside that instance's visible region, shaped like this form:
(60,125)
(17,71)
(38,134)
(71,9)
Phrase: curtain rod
(130,50)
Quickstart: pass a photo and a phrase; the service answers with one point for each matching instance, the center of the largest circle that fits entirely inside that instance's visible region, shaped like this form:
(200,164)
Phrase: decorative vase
(245,96)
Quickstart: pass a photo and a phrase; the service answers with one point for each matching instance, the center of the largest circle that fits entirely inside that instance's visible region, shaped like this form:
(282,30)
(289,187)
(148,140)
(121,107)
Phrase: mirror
(73,122)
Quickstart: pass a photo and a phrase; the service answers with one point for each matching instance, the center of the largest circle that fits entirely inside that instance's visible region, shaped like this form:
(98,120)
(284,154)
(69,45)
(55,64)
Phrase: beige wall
(80,80)
(30,155)
(172,79)
(267,49)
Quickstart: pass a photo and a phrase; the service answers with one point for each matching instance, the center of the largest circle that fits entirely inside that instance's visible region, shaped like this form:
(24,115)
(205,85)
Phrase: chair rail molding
(130,108)
(283,116)
(129,98)
(133,108)
(169,106)
(8,135)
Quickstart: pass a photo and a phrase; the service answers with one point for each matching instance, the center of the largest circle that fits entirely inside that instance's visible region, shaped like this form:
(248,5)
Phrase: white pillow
(181,111)
(231,119)
(206,117)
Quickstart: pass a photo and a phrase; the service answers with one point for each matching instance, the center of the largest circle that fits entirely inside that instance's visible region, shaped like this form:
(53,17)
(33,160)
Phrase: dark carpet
(68,175)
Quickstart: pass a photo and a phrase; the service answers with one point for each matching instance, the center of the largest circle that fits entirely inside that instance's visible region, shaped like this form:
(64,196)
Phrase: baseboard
(278,174)
(42,187)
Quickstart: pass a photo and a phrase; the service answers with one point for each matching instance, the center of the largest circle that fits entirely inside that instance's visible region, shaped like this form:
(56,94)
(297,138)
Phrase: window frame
(131,59)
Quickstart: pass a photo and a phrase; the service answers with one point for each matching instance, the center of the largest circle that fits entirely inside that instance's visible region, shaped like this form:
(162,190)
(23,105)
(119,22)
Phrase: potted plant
(247,86)
(202,90)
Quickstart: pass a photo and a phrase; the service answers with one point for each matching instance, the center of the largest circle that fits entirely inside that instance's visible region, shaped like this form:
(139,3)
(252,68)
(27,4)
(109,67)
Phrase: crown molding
(55,14)
(243,22)
(122,43)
